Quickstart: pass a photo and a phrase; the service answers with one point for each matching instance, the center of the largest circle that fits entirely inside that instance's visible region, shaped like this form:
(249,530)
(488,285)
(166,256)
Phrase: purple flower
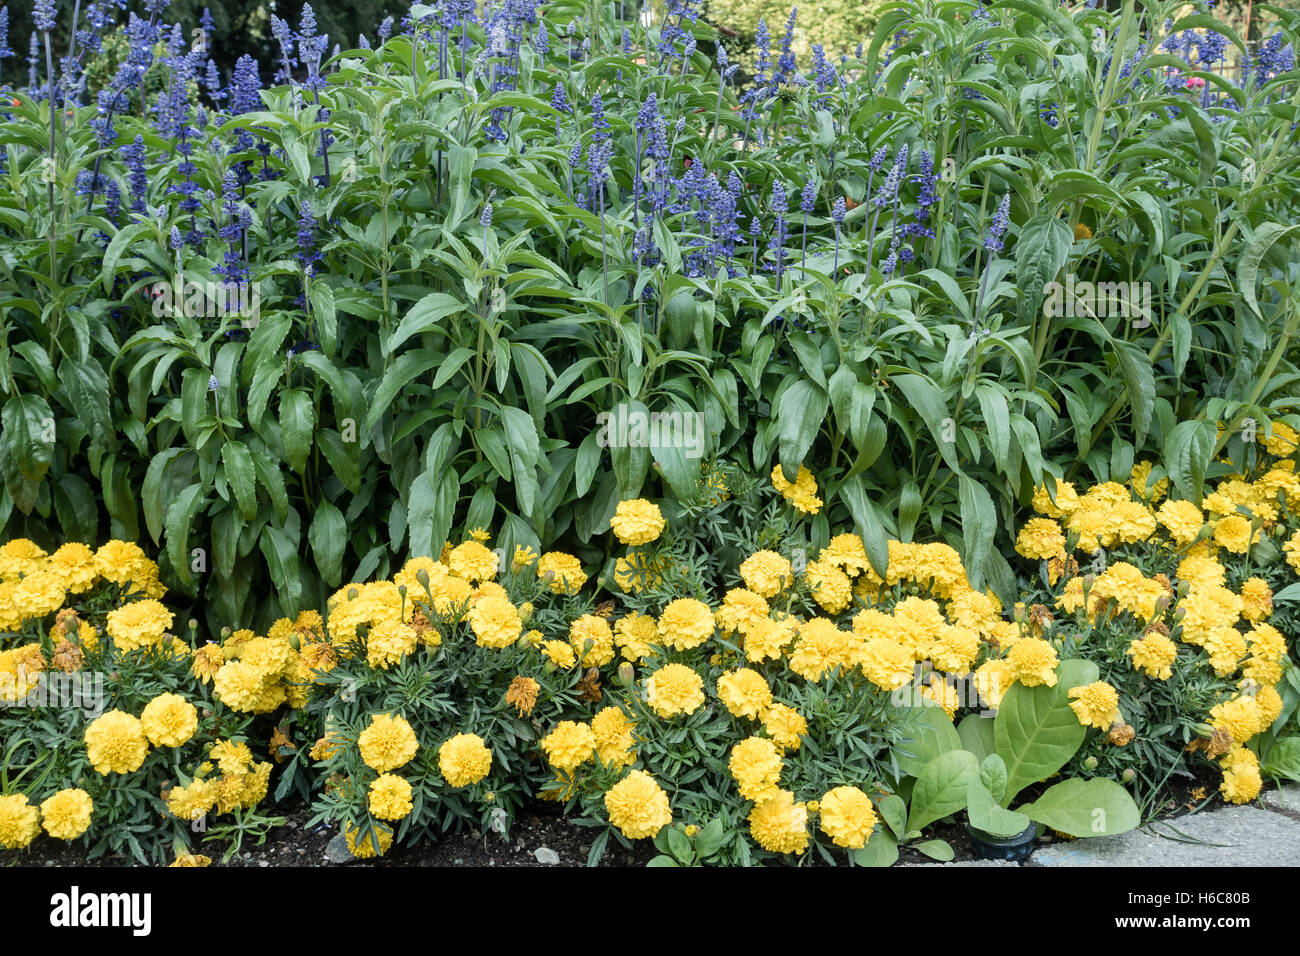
(133,157)
(808,197)
(174,238)
(998,227)
(5,51)
(559,101)
(43,15)
(878,159)
(888,191)
(838,210)
(543,42)
(385,29)
(307,254)
(485,220)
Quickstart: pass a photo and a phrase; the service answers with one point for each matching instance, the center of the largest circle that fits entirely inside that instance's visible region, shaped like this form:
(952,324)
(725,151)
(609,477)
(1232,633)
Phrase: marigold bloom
(1154,654)
(20,822)
(674,689)
(638,806)
(495,622)
(744,692)
(685,623)
(847,817)
(115,743)
(522,694)
(569,745)
(637,522)
(766,573)
(1033,662)
(785,726)
(464,760)
(472,562)
(802,492)
(562,572)
(780,825)
(756,764)
(138,624)
(1095,704)
(169,720)
(390,797)
(388,743)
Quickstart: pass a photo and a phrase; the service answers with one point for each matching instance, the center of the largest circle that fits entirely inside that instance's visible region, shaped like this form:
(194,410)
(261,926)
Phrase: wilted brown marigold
(1120,734)
(1039,618)
(1156,627)
(522,695)
(1219,744)
(67,656)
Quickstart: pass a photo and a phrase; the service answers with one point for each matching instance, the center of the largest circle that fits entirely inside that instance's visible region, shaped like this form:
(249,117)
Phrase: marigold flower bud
(1129,775)
(1090,763)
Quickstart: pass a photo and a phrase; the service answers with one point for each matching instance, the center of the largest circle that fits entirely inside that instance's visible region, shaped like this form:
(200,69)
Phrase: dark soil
(543,826)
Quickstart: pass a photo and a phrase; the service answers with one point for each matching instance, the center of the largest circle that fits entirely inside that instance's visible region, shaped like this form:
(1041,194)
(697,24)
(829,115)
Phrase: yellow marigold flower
(802,493)
(138,624)
(1267,641)
(464,760)
(39,594)
(744,692)
(495,622)
(1040,539)
(740,610)
(785,726)
(592,640)
(831,587)
(120,561)
(847,817)
(1282,440)
(169,720)
(992,679)
(1182,519)
(1033,662)
(674,689)
(768,638)
(193,801)
(115,743)
(954,649)
(1226,647)
(1262,670)
(21,557)
(846,552)
(756,765)
(1233,534)
(232,757)
(74,566)
(20,822)
(560,654)
(1066,500)
(562,572)
(244,687)
(821,648)
(1095,704)
(766,573)
(388,743)
(1256,599)
(389,642)
(522,558)
(638,806)
(1239,716)
(1139,480)
(191,860)
(685,623)
(390,797)
(363,847)
(569,745)
(1270,706)
(886,663)
(1241,777)
(66,815)
(472,562)
(916,622)
(612,731)
(1081,232)
(207,660)
(522,695)
(637,522)
(780,825)
(1154,655)
(634,634)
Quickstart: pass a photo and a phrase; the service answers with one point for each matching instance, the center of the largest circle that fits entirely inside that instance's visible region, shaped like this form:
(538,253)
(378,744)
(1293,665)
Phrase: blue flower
(998,227)
(808,197)
(838,210)
(43,15)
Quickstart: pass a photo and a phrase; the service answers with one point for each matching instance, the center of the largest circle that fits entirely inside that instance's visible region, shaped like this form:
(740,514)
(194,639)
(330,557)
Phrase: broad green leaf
(800,413)
(242,476)
(881,850)
(986,815)
(927,734)
(1085,808)
(941,787)
(1035,731)
(328,536)
(297,427)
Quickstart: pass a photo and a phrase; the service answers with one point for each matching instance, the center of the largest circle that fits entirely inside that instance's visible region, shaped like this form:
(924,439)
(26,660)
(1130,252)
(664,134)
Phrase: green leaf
(800,413)
(30,433)
(894,812)
(426,314)
(941,787)
(180,519)
(979,521)
(328,536)
(297,427)
(281,553)
(927,400)
(1283,759)
(986,815)
(993,776)
(679,844)
(241,475)
(398,376)
(1085,808)
(521,437)
(976,734)
(710,838)
(1035,731)
(881,850)
(114,250)
(928,734)
(1187,450)
(939,850)
(1041,253)
(1248,264)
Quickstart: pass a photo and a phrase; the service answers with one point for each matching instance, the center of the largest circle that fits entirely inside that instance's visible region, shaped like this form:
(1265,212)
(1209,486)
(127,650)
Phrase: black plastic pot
(1016,848)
